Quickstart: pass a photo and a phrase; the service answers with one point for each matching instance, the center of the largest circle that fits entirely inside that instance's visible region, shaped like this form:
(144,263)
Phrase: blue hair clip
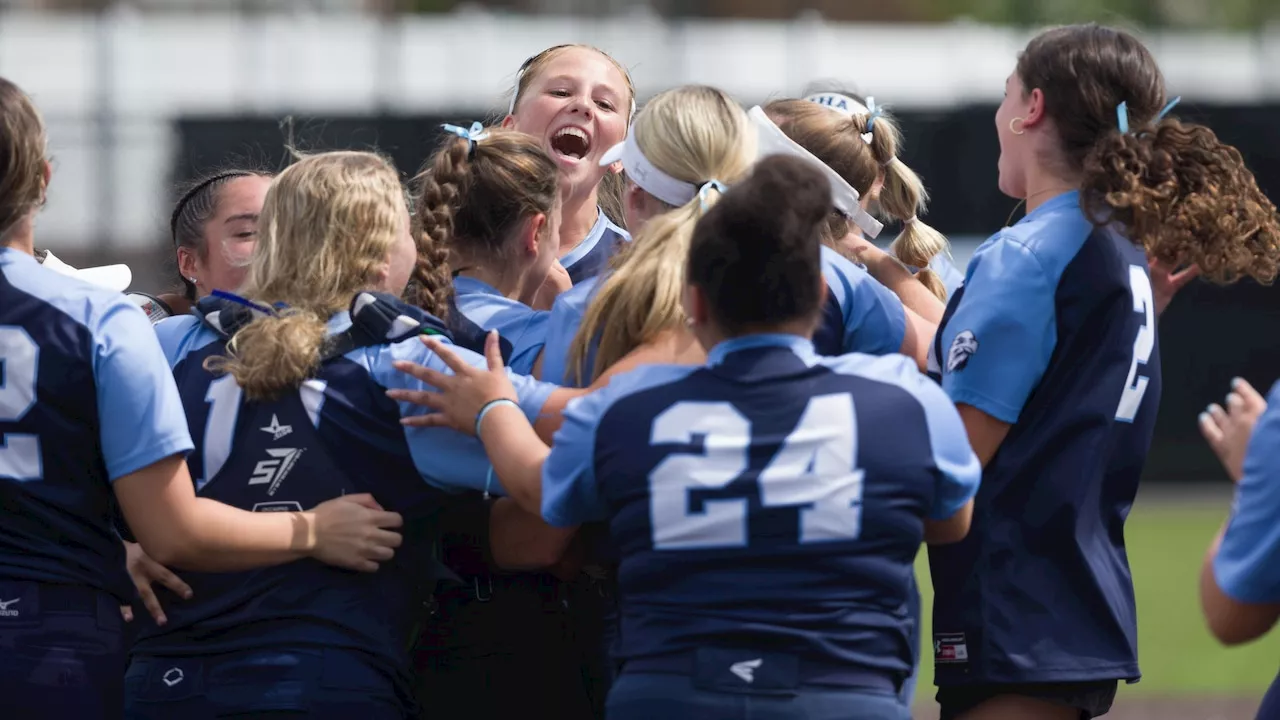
(473,134)
(705,191)
(1172,104)
(232,297)
(1122,117)
(876,112)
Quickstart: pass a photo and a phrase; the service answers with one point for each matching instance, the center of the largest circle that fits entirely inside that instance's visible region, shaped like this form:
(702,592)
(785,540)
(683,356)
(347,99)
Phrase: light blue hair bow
(473,134)
(1122,114)
(876,111)
(704,192)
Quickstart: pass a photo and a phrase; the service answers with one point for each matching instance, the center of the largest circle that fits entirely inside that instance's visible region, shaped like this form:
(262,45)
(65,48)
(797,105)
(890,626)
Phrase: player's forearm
(890,272)
(517,454)
(522,540)
(214,537)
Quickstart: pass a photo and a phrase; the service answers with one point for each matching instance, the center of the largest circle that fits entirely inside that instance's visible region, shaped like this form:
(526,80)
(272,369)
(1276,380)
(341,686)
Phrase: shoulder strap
(376,319)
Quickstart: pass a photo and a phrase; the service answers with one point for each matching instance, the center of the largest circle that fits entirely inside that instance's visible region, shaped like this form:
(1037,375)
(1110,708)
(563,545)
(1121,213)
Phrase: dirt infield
(1140,708)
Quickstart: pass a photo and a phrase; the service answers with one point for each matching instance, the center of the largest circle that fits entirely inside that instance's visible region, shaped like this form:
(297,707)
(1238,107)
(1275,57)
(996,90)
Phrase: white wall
(110,88)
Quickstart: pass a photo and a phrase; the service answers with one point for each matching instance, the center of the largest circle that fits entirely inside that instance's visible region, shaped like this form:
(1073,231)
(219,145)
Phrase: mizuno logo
(746,669)
(4,608)
(277,430)
(274,470)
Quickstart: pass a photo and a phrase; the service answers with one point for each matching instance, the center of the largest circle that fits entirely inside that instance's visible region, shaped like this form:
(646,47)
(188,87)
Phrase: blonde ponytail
(273,354)
(903,197)
(326,230)
(642,296)
(694,134)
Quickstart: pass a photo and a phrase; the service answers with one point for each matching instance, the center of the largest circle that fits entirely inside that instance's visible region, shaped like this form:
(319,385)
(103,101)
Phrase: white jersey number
(19,363)
(815,468)
(1135,387)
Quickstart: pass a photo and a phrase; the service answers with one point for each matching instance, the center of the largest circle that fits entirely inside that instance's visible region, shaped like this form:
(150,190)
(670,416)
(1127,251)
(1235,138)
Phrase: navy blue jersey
(85,399)
(1053,332)
(338,434)
(860,315)
(479,308)
(771,500)
(591,256)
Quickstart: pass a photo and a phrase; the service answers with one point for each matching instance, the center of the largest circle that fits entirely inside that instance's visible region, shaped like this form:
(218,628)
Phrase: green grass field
(1166,540)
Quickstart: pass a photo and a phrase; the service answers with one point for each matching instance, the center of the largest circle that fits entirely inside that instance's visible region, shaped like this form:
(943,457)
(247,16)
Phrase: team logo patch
(962,348)
(950,649)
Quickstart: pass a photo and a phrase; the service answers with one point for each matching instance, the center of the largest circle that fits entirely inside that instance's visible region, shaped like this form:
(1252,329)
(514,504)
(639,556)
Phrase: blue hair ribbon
(232,297)
(1122,117)
(705,191)
(473,134)
(1122,114)
(876,111)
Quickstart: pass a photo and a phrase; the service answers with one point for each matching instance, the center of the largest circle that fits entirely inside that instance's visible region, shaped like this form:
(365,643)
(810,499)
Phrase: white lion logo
(962,348)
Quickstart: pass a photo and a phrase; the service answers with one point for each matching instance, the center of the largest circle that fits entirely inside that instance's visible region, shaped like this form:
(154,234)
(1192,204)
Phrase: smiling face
(577,101)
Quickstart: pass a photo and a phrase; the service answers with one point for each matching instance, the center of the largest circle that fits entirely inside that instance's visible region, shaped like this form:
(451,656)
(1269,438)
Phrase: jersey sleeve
(562,325)
(528,340)
(173,333)
(998,342)
(874,319)
(959,470)
(140,412)
(445,458)
(570,494)
(1247,566)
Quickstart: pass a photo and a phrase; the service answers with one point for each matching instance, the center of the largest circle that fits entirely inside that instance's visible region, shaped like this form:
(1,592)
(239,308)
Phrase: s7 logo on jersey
(1135,386)
(814,469)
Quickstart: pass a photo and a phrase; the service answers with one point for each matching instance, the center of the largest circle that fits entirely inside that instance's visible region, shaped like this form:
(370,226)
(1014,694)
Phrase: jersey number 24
(815,469)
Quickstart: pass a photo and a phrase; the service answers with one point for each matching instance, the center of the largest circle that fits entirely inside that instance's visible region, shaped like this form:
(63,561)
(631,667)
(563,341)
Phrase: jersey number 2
(815,469)
(19,362)
(1136,385)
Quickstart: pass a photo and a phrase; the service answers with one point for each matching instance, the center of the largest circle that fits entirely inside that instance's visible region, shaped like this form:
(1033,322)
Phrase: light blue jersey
(860,315)
(479,308)
(444,458)
(1248,563)
(771,499)
(85,399)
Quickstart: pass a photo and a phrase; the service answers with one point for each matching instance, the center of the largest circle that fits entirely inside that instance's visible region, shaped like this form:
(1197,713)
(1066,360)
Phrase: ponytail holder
(1122,117)
(876,111)
(910,221)
(705,191)
(232,297)
(473,134)
(1172,104)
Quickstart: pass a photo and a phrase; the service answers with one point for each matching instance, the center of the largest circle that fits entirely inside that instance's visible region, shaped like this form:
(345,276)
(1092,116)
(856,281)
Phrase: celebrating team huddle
(617,412)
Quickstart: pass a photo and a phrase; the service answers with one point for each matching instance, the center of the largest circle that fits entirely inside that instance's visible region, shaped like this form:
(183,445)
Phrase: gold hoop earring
(1014,130)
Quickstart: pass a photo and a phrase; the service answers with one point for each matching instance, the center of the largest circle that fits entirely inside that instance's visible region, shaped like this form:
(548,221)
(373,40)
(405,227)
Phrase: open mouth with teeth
(571,142)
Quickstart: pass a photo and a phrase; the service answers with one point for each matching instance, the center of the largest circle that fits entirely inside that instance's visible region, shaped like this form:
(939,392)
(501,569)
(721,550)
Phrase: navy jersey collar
(802,347)
(1070,198)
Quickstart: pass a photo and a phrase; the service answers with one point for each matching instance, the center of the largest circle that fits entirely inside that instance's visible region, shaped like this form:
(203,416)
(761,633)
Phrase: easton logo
(273,470)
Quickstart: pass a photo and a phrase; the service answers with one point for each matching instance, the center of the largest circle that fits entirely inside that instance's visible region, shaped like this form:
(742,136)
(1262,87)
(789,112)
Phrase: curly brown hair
(468,203)
(1178,192)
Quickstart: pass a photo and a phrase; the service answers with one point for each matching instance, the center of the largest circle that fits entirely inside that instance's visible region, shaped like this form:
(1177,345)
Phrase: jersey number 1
(815,468)
(19,362)
(1135,386)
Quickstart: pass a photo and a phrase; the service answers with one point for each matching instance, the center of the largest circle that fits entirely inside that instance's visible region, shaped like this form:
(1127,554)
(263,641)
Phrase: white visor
(111,277)
(842,104)
(843,195)
(645,174)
